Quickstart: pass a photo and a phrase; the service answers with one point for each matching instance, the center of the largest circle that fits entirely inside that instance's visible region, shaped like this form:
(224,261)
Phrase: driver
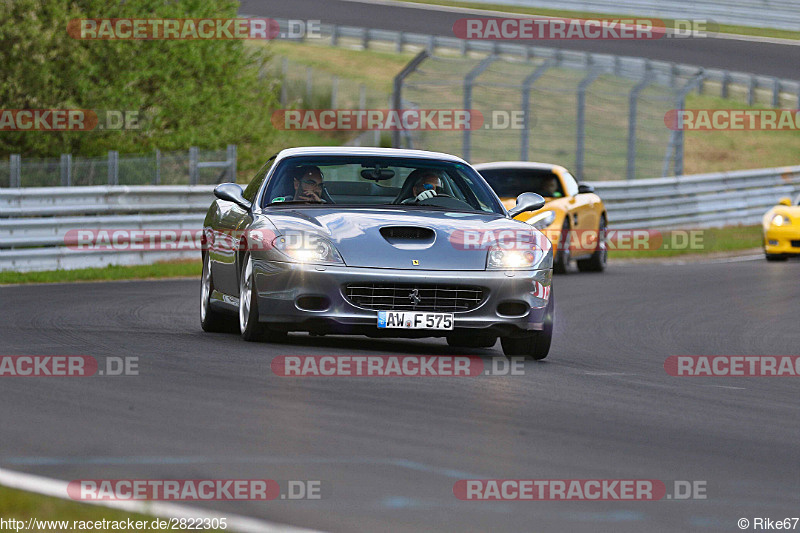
(550,187)
(308,184)
(426,182)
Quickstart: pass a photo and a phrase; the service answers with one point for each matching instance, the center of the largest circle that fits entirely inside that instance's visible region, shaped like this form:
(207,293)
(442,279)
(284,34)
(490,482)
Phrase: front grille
(796,244)
(400,297)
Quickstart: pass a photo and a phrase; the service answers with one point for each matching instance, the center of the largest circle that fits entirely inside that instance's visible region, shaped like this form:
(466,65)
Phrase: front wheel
(599,258)
(561,261)
(533,345)
(251,329)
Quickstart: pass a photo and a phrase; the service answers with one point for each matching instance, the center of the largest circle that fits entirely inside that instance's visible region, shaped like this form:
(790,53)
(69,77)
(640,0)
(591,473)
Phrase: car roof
(367,151)
(532,165)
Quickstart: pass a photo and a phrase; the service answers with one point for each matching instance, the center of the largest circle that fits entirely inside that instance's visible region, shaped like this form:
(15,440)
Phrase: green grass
(21,505)
(713,240)
(721,28)
(175,269)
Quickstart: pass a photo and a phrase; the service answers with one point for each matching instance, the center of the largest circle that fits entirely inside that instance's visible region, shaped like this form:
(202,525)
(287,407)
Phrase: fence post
(193,170)
(399,44)
(776,92)
(397,93)
(309,85)
(284,75)
(632,112)
(527,85)
(676,139)
(365,39)
(65,166)
(726,81)
(581,121)
(157,180)
(334,35)
(751,91)
(469,80)
(231,163)
(15,171)
(113,167)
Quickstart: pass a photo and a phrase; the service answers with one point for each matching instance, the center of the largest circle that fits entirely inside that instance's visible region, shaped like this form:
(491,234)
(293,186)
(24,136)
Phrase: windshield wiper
(295,202)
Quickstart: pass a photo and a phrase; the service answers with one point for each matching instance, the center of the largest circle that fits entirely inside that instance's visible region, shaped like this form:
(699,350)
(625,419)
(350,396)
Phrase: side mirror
(230,192)
(785,201)
(584,188)
(527,201)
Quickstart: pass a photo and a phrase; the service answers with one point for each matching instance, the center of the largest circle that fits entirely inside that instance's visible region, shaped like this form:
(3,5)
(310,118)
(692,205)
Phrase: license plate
(414,320)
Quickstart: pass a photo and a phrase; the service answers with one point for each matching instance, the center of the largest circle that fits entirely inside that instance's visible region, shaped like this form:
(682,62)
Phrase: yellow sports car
(782,230)
(574,218)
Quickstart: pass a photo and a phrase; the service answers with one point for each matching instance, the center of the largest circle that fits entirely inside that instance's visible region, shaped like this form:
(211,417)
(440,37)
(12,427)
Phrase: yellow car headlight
(781,220)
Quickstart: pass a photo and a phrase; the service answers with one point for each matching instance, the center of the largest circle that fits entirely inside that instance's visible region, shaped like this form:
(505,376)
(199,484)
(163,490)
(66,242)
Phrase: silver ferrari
(376,242)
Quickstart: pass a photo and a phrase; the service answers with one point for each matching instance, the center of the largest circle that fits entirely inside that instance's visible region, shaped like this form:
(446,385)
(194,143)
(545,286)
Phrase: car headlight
(307,248)
(542,220)
(514,256)
(781,220)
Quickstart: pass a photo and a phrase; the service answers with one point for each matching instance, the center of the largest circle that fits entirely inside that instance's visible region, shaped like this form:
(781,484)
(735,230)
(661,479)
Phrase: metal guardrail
(778,14)
(34,222)
(697,201)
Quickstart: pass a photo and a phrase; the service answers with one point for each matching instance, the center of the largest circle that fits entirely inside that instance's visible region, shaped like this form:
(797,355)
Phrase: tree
(205,93)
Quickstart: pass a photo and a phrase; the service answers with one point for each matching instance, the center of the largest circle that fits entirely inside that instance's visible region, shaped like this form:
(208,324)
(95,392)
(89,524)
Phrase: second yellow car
(574,217)
(782,230)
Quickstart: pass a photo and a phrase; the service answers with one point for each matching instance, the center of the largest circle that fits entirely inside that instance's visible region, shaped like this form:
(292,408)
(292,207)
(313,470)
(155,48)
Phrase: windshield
(511,182)
(379,181)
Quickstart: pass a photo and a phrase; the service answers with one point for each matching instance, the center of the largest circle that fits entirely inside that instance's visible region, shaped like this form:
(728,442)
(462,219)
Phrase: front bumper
(281,286)
(782,240)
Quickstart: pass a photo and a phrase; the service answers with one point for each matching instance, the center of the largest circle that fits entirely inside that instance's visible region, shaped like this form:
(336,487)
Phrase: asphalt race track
(769,59)
(389,450)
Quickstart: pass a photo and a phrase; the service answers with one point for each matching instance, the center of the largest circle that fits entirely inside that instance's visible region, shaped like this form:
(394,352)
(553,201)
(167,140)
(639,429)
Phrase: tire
(561,260)
(249,326)
(212,320)
(471,340)
(534,345)
(597,262)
